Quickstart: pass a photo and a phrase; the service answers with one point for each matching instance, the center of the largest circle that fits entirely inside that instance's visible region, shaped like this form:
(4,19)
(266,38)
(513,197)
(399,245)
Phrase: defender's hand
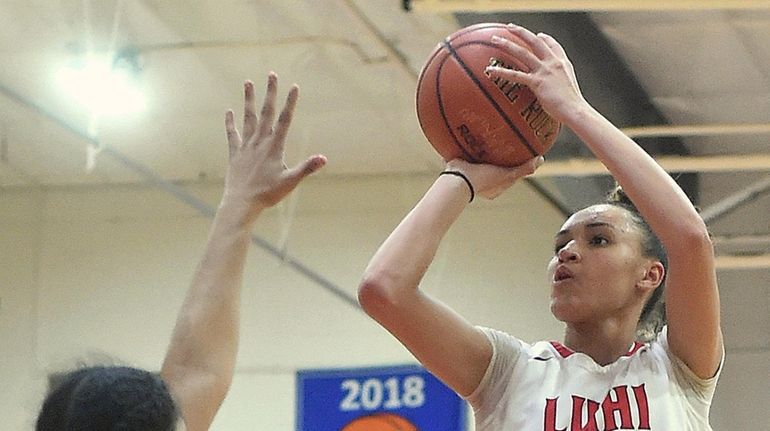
(257,175)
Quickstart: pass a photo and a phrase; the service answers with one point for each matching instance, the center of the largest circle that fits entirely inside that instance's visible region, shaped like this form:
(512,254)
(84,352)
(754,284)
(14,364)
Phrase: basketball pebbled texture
(464,113)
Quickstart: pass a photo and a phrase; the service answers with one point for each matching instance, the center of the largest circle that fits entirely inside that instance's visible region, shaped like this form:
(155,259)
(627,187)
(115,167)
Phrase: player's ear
(652,276)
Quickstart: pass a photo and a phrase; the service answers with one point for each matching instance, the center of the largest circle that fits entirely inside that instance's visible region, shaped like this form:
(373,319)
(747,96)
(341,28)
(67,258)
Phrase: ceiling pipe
(482,6)
(586,167)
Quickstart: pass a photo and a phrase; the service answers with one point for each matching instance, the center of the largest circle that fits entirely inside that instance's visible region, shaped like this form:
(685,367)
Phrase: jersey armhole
(489,396)
(704,387)
(473,397)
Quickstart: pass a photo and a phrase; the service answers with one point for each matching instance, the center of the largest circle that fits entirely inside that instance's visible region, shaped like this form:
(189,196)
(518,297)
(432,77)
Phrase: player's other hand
(490,181)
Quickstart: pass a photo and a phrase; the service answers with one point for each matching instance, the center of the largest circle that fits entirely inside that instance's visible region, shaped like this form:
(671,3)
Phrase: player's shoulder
(543,350)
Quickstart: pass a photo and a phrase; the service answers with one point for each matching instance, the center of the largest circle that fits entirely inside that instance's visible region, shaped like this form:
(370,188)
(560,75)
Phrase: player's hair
(107,398)
(653,316)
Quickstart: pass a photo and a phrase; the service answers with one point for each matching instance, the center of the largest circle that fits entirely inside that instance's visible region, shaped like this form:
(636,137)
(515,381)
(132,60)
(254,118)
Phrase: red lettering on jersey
(585,419)
(549,420)
(640,393)
(577,414)
(619,404)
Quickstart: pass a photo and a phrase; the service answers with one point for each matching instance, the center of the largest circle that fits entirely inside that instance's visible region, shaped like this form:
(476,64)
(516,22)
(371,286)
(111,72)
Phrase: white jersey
(548,387)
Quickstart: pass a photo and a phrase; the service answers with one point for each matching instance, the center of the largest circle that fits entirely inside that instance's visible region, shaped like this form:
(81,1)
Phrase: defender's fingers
(309,166)
(538,46)
(249,109)
(267,115)
(233,137)
(284,120)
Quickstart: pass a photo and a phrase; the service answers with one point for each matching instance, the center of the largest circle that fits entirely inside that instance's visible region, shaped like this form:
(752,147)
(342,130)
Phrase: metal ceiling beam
(761,261)
(579,5)
(730,203)
(742,244)
(743,240)
(586,167)
(697,130)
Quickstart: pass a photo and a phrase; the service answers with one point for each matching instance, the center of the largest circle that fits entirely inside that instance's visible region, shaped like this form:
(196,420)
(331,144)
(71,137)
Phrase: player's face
(596,265)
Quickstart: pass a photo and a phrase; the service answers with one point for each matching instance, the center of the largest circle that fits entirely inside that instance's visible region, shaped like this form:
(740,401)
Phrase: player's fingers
(553,44)
(284,120)
(309,166)
(267,115)
(233,137)
(249,109)
(538,46)
(522,55)
(562,54)
(509,74)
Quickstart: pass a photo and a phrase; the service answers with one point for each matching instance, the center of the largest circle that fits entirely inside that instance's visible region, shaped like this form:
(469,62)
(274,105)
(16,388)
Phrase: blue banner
(399,398)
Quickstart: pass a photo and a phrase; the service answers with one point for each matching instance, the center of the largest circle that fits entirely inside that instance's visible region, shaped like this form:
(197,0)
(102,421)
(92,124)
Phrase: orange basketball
(380,422)
(464,113)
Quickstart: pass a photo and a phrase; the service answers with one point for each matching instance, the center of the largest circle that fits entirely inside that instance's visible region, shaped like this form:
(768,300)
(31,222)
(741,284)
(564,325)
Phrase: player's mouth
(562,274)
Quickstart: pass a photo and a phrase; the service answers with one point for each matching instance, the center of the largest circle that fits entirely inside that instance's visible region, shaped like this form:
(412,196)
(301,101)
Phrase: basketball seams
(439,50)
(436,51)
(438,93)
(456,56)
(463,116)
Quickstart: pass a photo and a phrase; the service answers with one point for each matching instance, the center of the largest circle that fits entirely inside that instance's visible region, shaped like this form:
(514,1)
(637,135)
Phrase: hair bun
(617,196)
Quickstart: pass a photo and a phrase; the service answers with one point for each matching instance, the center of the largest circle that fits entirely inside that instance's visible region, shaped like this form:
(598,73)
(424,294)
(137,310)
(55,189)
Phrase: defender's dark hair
(107,398)
(653,316)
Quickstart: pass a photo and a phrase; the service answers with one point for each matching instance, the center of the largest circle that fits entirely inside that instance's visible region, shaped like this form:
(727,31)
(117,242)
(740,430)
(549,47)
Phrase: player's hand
(256,174)
(546,71)
(489,181)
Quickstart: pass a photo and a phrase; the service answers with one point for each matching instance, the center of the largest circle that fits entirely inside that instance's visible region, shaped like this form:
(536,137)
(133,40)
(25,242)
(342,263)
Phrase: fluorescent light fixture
(102,85)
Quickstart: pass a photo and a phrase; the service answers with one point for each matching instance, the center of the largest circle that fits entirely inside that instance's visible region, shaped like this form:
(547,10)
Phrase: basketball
(464,113)
(380,422)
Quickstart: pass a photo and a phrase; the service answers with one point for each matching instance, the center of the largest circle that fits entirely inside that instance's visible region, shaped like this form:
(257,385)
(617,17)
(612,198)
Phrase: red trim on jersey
(565,351)
(637,345)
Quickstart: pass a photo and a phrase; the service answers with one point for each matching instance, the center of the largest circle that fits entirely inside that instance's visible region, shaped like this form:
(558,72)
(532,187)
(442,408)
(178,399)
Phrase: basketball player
(607,273)
(200,362)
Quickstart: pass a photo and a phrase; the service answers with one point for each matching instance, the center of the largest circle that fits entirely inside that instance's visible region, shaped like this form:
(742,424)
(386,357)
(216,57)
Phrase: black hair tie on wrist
(467,181)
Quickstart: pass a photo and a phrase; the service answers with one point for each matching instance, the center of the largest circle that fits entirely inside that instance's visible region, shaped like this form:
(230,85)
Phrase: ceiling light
(103,85)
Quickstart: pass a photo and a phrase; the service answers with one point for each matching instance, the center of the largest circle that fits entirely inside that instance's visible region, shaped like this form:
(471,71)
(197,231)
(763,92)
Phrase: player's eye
(599,240)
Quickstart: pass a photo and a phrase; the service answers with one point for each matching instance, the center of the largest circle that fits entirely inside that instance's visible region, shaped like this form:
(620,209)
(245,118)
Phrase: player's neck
(604,342)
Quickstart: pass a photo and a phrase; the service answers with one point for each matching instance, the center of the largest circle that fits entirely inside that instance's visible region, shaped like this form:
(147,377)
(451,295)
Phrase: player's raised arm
(448,345)
(199,365)
(692,299)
